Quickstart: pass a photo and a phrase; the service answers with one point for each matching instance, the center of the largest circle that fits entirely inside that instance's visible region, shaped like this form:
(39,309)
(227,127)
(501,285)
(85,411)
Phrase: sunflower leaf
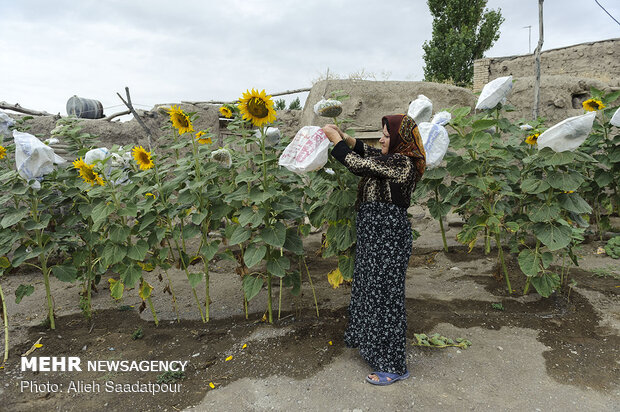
(573,203)
(194,279)
(546,284)
(278,266)
(293,242)
(544,212)
(254,254)
(274,235)
(239,235)
(12,218)
(552,235)
(131,274)
(65,273)
(529,262)
(138,251)
(568,181)
(252,285)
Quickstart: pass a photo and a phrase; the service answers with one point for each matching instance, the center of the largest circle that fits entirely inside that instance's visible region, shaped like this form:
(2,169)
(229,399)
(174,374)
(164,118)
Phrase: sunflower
(592,105)
(142,157)
(532,139)
(2,152)
(180,120)
(257,107)
(87,172)
(226,112)
(203,140)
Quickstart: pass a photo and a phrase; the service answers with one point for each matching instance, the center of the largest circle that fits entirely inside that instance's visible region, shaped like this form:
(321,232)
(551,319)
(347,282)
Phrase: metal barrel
(84,108)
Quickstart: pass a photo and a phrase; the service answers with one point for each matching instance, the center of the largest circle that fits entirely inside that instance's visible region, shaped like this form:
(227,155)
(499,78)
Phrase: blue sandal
(383,378)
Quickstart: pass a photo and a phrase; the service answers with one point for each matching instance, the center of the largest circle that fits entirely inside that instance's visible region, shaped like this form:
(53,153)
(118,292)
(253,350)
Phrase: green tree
(462,31)
(295,105)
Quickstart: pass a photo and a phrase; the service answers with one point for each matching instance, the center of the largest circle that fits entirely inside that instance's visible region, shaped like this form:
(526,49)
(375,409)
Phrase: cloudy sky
(168,51)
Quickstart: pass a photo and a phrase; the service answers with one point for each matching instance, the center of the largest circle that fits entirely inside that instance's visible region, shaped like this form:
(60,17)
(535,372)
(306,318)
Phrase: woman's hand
(331,131)
(350,141)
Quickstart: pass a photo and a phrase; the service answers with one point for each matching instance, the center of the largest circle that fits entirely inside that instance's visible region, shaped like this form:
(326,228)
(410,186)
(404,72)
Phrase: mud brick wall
(598,60)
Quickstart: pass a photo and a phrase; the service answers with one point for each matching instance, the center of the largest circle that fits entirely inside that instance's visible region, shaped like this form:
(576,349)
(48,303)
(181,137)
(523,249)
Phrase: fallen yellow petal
(38,345)
(330,343)
(211,385)
(228,358)
(244,346)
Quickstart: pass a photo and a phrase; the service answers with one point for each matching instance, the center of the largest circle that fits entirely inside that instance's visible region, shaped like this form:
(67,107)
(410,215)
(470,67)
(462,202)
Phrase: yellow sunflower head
(257,107)
(2,152)
(87,172)
(532,139)
(592,105)
(203,140)
(226,112)
(180,120)
(142,157)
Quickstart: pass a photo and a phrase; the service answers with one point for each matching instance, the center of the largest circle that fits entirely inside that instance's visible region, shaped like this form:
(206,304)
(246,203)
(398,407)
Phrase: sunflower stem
(316,303)
(174,298)
(269,310)
(443,232)
(153,310)
(500,253)
(5,318)
(280,300)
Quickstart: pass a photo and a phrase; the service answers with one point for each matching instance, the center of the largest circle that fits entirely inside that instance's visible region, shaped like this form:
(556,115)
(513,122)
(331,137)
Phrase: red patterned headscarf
(405,139)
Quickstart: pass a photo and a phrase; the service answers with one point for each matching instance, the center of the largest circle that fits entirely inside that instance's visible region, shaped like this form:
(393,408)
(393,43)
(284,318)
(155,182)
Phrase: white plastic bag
(494,92)
(435,138)
(328,108)
(223,157)
(307,152)
(5,122)
(272,136)
(33,158)
(116,162)
(93,155)
(420,109)
(615,119)
(569,134)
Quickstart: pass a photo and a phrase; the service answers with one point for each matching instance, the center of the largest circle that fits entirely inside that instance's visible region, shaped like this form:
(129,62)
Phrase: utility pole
(537,62)
(529,39)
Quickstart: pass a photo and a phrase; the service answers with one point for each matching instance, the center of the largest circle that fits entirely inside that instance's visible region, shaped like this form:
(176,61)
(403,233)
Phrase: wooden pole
(17,108)
(537,62)
(136,116)
(112,116)
(284,93)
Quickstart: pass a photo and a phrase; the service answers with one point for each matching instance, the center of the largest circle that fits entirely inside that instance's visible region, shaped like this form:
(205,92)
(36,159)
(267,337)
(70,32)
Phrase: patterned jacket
(387,178)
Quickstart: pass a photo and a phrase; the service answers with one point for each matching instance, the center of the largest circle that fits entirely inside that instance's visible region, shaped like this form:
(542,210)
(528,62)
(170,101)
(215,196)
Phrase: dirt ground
(537,354)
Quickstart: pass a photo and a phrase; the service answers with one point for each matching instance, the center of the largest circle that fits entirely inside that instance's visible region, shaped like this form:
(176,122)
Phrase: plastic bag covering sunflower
(5,122)
(33,158)
(272,136)
(494,92)
(223,157)
(569,134)
(420,109)
(116,162)
(328,108)
(307,152)
(615,119)
(435,138)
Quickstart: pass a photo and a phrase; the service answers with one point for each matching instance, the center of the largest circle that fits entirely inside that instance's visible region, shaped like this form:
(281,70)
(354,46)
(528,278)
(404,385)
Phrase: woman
(377,316)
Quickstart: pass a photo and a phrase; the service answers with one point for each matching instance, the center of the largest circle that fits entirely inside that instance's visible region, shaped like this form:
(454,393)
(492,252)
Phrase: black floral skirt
(377,318)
